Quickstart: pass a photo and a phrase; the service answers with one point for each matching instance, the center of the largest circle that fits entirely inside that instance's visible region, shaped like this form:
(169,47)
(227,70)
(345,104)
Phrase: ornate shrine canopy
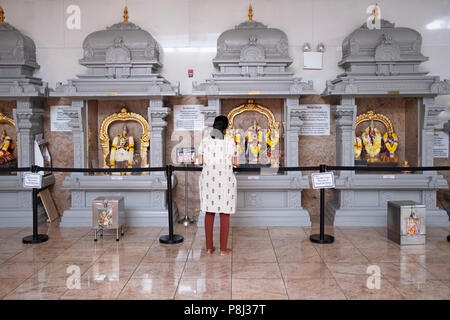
(122,60)
(384,62)
(252,60)
(18,63)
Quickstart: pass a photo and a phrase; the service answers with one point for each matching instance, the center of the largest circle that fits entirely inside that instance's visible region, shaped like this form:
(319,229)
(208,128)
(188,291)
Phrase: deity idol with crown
(254,142)
(122,151)
(371,139)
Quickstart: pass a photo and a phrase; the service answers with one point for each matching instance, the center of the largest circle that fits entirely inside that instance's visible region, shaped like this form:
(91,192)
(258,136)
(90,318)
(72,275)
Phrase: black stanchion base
(175,239)
(326,238)
(40,238)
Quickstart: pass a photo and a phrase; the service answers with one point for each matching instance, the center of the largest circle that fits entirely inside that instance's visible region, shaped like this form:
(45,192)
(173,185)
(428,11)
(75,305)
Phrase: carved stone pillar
(345,115)
(77,123)
(28,119)
(293,124)
(430,113)
(156,115)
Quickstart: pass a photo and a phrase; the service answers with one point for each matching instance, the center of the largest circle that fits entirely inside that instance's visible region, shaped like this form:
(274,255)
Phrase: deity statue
(122,151)
(390,140)
(254,142)
(358,148)
(273,150)
(371,138)
(6,149)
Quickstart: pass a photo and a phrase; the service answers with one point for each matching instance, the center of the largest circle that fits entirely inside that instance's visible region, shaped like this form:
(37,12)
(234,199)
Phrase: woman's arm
(236,161)
(200,160)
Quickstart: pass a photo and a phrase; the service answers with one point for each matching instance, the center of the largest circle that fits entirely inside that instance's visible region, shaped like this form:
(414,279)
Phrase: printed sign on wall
(440,148)
(188,118)
(316,120)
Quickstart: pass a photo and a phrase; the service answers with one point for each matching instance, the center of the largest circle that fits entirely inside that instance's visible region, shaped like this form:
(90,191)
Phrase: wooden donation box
(108,213)
(406,222)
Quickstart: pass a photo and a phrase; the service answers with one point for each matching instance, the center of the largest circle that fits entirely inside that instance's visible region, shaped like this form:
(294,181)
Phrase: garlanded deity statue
(390,140)
(254,142)
(273,150)
(371,138)
(6,149)
(358,148)
(122,150)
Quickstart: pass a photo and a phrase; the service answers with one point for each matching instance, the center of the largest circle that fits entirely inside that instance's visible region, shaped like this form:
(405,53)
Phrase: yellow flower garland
(274,142)
(236,135)
(372,148)
(253,149)
(391,148)
(358,147)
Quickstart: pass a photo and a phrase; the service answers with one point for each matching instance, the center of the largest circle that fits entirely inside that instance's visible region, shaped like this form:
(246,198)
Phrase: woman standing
(218,186)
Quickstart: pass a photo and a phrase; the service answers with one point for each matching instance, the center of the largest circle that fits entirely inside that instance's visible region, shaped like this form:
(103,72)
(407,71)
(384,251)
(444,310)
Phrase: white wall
(188,29)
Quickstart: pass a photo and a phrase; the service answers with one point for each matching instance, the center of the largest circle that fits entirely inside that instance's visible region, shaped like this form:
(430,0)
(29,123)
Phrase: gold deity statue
(6,149)
(122,151)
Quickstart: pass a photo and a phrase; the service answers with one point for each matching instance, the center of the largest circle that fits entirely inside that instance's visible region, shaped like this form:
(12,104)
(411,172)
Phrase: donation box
(108,213)
(406,222)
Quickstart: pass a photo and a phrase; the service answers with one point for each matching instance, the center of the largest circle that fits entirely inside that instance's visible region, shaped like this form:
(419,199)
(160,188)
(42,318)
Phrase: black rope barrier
(172,238)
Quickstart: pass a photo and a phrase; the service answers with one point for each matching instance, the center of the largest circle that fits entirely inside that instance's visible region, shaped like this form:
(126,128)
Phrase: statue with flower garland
(254,142)
(373,145)
(371,138)
(390,140)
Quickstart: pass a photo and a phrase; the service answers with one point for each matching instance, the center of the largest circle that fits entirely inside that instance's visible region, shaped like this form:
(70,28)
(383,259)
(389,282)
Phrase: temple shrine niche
(118,122)
(261,99)
(21,124)
(386,117)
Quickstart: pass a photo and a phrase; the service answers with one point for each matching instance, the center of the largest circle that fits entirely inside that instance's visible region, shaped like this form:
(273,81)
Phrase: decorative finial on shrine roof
(125,14)
(2,15)
(250,13)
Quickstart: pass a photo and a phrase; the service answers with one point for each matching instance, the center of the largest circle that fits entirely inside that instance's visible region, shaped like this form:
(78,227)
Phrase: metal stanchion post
(322,237)
(170,238)
(186,220)
(35,238)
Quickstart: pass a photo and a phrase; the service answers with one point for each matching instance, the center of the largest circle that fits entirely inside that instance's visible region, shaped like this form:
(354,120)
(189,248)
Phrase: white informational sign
(440,148)
(316,120)
(186,155)
(188,118)
(59,120)
(32,180)
(322,180)
(312,60)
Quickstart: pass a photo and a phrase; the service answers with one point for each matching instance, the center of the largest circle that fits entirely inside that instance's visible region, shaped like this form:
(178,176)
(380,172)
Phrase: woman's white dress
(218,188)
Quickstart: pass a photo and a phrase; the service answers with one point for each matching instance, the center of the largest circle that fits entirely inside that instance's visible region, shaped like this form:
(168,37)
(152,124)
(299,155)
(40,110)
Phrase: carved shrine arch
(372,115)
(124,115)
(251,106)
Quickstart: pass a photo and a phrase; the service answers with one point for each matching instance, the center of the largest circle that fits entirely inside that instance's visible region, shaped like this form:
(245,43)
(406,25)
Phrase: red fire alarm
(190,73)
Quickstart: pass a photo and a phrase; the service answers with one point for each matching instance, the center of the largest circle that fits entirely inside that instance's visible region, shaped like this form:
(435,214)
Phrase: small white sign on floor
(323,180)
(32,180)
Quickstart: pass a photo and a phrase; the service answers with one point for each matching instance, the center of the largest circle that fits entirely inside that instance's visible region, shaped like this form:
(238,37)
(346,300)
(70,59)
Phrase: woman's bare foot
(226,252)
(209,251)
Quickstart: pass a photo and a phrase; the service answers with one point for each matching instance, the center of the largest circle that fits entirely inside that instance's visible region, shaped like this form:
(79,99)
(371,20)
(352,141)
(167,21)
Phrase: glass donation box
(108,213)
(406,222)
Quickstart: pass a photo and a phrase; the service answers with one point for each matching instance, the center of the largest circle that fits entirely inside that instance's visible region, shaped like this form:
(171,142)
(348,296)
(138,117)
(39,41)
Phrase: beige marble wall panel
(183,139)
(316,150)
(60,148)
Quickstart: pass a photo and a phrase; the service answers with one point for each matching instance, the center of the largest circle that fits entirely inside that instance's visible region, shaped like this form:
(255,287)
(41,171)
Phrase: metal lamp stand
(186,221)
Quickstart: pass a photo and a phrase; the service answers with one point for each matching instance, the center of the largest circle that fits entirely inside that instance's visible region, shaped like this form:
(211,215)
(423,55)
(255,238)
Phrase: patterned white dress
(218,186)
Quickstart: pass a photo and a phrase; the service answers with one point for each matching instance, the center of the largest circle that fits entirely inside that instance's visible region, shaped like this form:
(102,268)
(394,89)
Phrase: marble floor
(266,263)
